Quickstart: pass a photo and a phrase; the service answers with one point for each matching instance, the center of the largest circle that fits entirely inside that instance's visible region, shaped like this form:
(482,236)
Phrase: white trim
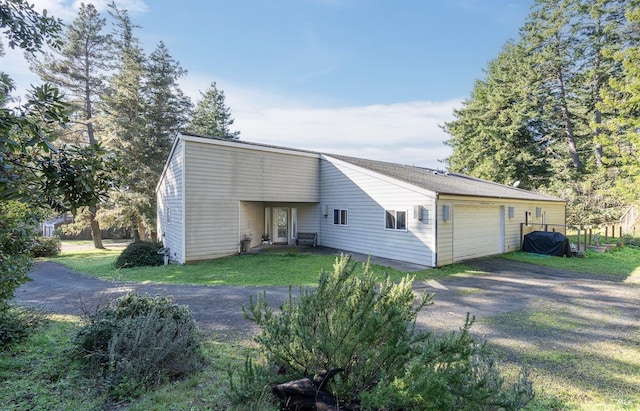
(166,163)
(249,146)
(184,202)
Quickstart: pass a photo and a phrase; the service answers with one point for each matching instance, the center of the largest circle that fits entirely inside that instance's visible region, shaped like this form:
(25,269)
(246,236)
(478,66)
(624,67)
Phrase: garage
(477,231)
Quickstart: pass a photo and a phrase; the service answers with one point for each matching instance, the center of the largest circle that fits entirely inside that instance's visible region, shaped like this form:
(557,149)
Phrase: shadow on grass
(583,355)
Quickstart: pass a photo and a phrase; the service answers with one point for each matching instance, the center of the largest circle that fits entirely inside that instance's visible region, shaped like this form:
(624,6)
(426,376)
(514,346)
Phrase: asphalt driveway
(501,286)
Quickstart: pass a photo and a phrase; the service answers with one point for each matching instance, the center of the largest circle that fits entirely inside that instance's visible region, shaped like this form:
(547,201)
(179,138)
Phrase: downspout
(434,258)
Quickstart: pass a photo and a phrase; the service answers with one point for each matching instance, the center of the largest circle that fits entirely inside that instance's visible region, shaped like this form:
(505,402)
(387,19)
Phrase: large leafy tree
(78,69)
(33,173)
(212,117)
(621,99)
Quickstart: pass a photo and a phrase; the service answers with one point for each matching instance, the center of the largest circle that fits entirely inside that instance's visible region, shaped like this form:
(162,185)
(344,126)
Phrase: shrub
(450,373)
(367,328)
(16,233)
(140,253)
(139,342)
(16,323)
(46,247)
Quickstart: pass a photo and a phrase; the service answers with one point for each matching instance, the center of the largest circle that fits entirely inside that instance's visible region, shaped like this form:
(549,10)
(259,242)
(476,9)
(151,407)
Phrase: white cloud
(407,132)
(67,10)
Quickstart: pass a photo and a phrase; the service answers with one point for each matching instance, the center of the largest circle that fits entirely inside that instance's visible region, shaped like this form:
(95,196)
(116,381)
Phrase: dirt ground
(602,308)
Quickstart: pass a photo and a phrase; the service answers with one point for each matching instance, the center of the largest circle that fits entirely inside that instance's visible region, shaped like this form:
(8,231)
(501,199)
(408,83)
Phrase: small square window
(395,220)
(339,216)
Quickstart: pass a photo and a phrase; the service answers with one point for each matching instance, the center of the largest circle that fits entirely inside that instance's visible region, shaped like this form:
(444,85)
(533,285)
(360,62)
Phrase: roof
(440,182)
(444,182)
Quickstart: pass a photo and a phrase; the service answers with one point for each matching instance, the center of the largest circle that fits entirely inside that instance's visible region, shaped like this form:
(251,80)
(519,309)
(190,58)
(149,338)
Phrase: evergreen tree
(79,71)
(123,122)
(166,112)
(496,134)
(541,111)
(621,98)
(211,116)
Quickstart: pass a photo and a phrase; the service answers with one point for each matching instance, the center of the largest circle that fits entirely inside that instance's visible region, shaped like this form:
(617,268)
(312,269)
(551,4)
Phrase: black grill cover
(544,242)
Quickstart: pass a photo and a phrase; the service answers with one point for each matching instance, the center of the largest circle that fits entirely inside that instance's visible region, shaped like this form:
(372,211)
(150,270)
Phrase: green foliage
(139,254)
(212,117)
(16,233)
(79,176)
(26,28)
(139,342)
(557,109)
(367,328)
(450,373)
(46,247)
(18,323)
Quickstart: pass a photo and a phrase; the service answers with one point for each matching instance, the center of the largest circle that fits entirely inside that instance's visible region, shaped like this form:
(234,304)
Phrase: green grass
(277,269)
(569,373)
(601,374)
(39,374)
(619,264)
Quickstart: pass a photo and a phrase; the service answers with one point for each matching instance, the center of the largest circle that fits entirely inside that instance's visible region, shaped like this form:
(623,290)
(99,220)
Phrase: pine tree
(123,122)
(621,99)
(496,134)
(79,70)
(211,116)
(166,112)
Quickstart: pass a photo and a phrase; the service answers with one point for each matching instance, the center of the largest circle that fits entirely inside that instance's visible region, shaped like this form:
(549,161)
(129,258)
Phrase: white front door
(281,225)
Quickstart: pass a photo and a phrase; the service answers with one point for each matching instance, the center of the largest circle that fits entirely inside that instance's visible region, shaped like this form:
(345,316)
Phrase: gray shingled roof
(444,182)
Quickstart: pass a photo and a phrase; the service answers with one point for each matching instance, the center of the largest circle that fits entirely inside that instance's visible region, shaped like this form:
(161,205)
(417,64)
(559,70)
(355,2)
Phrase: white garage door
(477,232)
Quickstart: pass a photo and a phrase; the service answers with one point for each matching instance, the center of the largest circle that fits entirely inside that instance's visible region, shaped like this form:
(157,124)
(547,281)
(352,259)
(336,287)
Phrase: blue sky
(373,79)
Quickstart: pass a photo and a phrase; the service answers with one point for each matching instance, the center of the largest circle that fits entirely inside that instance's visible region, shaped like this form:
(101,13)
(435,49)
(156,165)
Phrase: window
(339,216)
(395,220)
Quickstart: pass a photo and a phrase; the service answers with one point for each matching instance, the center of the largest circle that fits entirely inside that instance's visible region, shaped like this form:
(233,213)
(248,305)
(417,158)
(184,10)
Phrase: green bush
(16,233)
(140,253)
(139,342)
(450,373)
(367,328)
(46,247)
(16,323)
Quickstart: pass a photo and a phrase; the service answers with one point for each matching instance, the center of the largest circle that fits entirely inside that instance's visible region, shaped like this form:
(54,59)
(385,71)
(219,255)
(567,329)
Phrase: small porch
(275,223)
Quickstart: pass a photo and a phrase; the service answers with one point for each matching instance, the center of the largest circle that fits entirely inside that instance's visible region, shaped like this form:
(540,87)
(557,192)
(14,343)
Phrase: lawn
(620,264)
(281,268)
(600,375)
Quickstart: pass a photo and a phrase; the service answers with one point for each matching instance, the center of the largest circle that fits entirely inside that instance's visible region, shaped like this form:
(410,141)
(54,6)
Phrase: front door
(281,225)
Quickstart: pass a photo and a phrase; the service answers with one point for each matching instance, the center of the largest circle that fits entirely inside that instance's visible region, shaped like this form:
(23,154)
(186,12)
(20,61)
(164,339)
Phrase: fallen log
(308,393)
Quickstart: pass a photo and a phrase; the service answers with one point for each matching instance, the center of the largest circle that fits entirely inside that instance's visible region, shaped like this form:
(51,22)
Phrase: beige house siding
(214,192)
(170,210)
(251,222)
(220,177)
(552,213)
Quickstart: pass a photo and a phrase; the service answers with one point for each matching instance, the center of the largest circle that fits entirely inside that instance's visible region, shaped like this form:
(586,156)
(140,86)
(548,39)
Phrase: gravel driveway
(503,287)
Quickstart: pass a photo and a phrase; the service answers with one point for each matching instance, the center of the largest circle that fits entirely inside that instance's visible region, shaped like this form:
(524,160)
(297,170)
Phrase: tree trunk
(568,124)
(96,234)
(142,231)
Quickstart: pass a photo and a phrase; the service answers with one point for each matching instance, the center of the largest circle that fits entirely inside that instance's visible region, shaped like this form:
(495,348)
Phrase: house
(214,193)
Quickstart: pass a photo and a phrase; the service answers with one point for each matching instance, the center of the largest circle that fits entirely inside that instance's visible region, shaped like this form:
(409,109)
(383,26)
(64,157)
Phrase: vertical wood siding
(366,196)
(170,195)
